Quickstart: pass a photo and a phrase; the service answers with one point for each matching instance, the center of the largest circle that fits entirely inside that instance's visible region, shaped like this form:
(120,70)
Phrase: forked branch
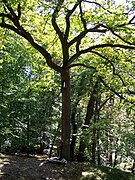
(70,12)
(54,23)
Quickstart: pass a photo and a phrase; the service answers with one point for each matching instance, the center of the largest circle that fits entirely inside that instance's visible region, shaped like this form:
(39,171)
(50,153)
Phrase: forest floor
(37,168)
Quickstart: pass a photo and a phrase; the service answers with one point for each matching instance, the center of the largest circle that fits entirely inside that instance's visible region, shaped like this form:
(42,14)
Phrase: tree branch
(19,10)
(22,32)
(11,10)
(6,16)
(83,34)
(100,107)
(130,21)
(60,33)
(103,82)
(8,26)
(54,24)
(70,12)
(114,71)
(83,65)
(82,18)
(115,92)
(92,2)
(12,16)
(117,35)
(57,29)
(127,42)
(96,47)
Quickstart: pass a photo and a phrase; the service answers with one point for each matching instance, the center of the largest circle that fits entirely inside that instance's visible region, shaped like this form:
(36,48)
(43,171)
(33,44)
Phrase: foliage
(47,44)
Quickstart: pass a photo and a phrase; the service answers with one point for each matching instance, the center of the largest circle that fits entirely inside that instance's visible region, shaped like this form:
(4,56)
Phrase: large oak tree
(74,29)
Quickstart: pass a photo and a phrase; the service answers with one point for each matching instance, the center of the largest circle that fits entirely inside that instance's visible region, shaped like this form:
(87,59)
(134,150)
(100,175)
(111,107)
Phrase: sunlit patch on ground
(98,175)
(37,168)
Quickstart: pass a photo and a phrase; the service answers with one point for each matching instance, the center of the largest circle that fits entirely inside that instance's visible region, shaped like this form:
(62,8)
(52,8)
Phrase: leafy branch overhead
(11,19)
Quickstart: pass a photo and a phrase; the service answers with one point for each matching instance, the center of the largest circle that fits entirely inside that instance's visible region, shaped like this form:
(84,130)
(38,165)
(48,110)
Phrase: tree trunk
(133,168)
(90,112)
(98,131)
(93,147)
(98,148)
(89,115)
(74,129)
(66,108)
(28,135)
(53,141)
(94,137)
(74,132)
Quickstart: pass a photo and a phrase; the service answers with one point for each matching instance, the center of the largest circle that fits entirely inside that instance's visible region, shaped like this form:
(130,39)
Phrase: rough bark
(66,108)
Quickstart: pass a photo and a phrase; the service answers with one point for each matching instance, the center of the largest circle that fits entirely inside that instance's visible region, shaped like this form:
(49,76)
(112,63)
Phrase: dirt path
(33,168)
(37,168)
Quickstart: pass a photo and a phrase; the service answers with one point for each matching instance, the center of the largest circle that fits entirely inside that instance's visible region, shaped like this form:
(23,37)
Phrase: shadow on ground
(37,168)
(32,168)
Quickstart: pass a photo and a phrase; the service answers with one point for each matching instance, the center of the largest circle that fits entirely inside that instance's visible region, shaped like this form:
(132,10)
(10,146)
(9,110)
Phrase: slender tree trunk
(98,148)
(90,112)
(74,129)
(133,168)
(89,115)
(94,135)
(74,132)
(98,131)
(53,141)
(28,135)
(66,109)
(107,142)
(93,149)
(94,143)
